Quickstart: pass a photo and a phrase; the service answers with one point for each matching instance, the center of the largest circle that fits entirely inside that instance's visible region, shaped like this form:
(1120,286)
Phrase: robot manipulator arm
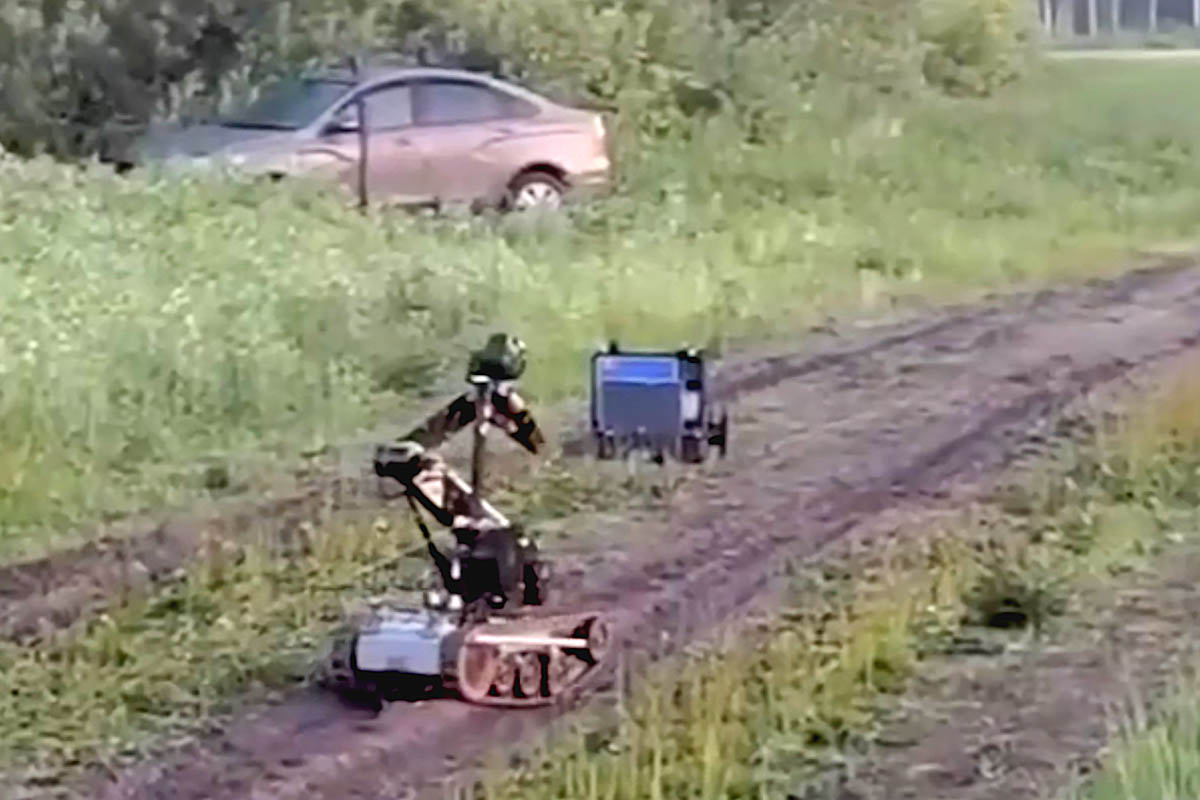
(407,463)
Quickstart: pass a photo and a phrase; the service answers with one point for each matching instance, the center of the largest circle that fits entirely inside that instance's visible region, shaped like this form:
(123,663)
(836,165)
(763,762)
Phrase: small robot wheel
(691,449)
(534,584)
(719,434)
(606,447)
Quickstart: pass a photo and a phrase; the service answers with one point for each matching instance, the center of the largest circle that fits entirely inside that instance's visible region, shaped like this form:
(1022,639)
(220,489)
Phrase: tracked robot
(484,632)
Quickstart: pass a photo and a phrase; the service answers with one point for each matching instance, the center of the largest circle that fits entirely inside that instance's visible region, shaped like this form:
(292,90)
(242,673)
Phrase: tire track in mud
(823,444)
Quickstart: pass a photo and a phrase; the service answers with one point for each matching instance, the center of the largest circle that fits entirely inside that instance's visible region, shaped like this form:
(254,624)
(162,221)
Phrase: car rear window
(449,102)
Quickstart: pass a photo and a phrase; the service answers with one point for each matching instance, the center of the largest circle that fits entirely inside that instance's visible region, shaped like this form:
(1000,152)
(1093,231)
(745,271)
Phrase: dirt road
(822,441)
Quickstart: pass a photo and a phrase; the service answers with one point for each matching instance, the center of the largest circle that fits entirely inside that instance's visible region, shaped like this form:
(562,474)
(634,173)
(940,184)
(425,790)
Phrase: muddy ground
(822,441)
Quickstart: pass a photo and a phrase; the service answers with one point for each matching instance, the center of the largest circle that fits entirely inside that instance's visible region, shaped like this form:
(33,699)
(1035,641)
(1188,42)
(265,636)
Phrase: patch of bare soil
(1028,723)
(822,443)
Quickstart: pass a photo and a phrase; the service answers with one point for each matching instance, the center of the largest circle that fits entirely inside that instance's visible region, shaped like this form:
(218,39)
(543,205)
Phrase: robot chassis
(657,402)
(484,633)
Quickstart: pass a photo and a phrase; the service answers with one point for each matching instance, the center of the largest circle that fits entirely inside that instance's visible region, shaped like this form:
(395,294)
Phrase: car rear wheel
(535,190)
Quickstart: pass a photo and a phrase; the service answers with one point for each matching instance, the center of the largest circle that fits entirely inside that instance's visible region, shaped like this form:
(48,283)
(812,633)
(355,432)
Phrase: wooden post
(1092,14)
(360,112)
(1196,13)
(1154,16)
(1114,13)
(483,397)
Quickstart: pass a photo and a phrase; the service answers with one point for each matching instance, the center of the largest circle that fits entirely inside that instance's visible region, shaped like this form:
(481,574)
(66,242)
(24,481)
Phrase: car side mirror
(346,121)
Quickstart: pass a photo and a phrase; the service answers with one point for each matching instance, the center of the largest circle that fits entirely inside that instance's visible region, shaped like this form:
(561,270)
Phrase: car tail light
(600,138)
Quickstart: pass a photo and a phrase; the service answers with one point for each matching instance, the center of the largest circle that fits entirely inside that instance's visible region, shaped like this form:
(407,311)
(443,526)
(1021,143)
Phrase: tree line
(78,78)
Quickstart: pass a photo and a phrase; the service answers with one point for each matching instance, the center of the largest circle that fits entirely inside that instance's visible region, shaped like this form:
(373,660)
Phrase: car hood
(178,142)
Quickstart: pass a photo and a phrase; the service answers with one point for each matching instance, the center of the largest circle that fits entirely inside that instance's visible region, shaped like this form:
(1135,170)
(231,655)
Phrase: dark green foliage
(81,78)
(974,47)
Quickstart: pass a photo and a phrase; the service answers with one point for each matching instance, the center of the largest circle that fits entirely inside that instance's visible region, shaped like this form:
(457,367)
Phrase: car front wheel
(536,190)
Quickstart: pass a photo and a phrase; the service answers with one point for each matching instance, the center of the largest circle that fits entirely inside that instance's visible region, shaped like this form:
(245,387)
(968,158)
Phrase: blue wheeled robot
(655,402)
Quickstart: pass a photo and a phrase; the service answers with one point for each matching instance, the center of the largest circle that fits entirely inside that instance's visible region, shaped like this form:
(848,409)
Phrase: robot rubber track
(529,661)
(522,661)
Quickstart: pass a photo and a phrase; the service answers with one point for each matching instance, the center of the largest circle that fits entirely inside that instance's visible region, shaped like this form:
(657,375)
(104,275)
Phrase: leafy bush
(974,47)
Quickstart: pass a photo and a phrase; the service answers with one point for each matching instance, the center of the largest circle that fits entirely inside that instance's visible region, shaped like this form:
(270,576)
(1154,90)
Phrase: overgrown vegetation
(774,707)
(165,665)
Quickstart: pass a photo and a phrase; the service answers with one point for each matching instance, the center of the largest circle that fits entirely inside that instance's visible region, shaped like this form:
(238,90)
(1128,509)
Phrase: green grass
(153,327)
(1158,755)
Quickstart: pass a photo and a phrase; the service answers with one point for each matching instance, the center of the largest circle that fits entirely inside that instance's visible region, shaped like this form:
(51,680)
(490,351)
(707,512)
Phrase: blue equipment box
(656,401)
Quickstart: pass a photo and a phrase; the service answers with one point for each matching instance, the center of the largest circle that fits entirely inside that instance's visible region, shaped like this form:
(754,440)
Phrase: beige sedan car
(434,137)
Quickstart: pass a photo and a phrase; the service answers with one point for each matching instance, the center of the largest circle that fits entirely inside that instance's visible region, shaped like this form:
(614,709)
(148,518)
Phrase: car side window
(387,108)
(449,102)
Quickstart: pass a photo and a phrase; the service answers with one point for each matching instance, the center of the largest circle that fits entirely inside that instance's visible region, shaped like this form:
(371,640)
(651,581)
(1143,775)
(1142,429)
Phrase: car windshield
(288,105)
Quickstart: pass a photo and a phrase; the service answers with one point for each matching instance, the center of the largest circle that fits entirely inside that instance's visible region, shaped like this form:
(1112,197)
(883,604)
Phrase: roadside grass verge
(1156,755)
(156,328)
(1157,751)
(768,711)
